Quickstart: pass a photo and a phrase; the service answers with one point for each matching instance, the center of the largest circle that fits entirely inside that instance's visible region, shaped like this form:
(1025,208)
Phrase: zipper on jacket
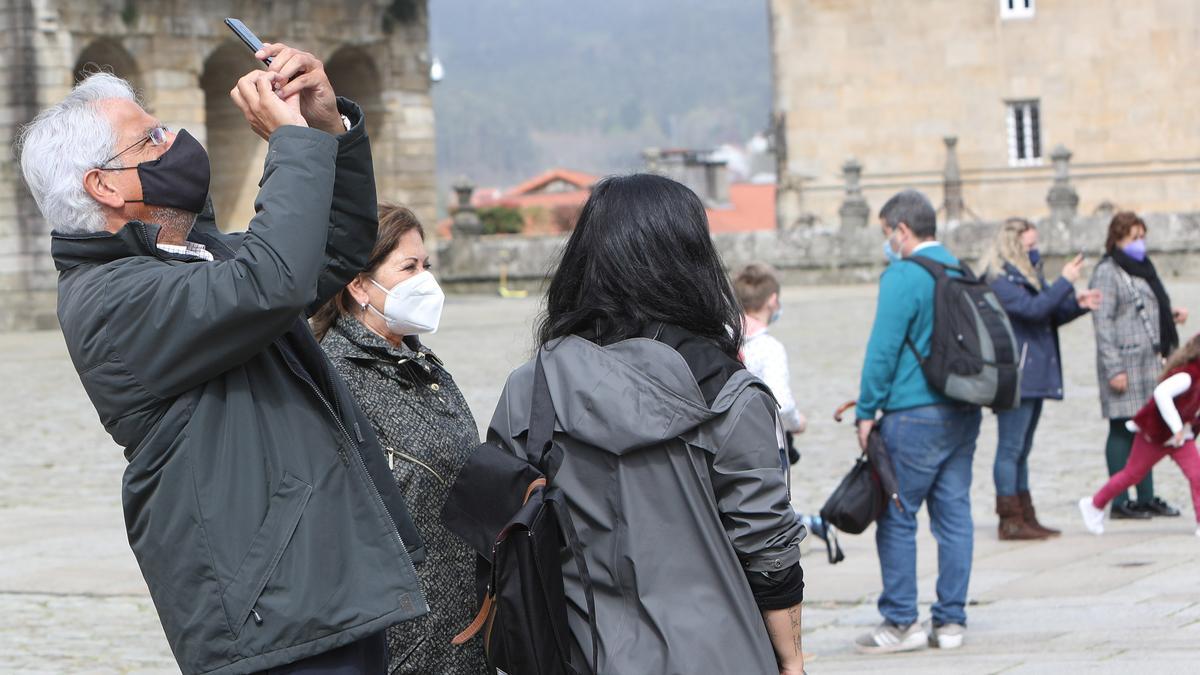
(371,481)
(414,460)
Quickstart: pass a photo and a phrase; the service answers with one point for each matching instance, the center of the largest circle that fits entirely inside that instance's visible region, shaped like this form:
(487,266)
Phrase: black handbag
(862,495)
(857,501)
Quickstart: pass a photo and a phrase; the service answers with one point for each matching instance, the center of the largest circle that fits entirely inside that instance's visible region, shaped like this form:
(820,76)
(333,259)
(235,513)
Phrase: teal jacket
(891,375)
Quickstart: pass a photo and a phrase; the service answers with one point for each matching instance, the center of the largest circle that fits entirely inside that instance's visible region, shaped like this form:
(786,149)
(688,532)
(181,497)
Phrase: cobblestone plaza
(72,599)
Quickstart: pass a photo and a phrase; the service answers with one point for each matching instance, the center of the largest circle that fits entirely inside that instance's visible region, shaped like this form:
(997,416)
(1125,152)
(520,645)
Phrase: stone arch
(107,54)
(235,151)
(353,74)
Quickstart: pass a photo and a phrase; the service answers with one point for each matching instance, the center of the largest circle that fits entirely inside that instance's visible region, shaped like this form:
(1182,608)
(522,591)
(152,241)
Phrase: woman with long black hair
(673,467)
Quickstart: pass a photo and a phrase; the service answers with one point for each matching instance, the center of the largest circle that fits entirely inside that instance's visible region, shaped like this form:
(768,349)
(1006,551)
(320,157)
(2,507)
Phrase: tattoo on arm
(794,615)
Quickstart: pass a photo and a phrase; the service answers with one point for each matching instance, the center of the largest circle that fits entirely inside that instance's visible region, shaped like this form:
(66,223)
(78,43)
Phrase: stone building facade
(183,60)
(1116,83)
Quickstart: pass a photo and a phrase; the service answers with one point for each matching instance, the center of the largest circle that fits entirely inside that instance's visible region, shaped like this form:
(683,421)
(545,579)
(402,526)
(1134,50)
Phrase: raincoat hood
(595,388)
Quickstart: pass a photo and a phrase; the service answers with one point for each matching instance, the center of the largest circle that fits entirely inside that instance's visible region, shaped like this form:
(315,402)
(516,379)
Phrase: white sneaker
(1093,518)
(888,637)
(945,636)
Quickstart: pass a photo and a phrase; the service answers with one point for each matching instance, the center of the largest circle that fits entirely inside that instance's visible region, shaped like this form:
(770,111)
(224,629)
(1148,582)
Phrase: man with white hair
(257,499)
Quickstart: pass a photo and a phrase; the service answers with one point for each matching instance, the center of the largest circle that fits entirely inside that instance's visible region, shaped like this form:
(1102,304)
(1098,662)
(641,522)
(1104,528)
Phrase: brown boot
(1030,516)
(1012,524)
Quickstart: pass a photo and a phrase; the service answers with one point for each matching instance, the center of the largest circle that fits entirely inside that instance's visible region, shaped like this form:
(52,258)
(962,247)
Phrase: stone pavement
(72,600)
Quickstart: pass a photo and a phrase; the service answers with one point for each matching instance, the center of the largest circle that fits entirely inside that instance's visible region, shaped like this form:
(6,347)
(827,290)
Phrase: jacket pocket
(267,547)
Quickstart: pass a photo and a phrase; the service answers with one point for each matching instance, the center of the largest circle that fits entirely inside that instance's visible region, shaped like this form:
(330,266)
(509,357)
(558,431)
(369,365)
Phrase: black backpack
(973,355)
(509,510)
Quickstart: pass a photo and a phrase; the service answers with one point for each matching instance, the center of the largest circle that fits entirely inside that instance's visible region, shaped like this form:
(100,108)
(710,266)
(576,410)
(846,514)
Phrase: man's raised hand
(298,72)
(263,108)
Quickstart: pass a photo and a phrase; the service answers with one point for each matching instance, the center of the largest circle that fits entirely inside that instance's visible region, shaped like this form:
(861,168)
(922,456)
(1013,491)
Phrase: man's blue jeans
(1015,439)
(932,448)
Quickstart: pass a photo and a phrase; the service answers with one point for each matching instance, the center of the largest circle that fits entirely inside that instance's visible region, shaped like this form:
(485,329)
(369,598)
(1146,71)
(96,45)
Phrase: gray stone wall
(183,60)
(821,254)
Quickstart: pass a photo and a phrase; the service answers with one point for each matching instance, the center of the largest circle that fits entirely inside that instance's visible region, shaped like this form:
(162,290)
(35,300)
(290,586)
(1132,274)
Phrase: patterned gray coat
(428,433)
(1124,343)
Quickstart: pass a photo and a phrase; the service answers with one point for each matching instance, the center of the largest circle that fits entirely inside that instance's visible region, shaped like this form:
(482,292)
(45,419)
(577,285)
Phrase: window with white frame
(1016,9)
(1024,133)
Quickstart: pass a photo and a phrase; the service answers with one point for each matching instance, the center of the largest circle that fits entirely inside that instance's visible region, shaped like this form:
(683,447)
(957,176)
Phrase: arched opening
(353,74)
(235,151)
(109,56)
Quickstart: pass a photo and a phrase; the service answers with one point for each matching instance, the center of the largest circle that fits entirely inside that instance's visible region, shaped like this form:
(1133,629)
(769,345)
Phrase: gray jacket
(1124,343)
(675,502)
(428,432)
(257,499)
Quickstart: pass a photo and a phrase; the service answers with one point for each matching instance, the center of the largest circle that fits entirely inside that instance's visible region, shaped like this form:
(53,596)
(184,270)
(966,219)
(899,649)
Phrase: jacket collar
(350,339)
(135,239)
(1017,277)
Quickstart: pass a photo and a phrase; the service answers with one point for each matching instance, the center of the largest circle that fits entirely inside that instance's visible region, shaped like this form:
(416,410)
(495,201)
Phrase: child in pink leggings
(1165,427)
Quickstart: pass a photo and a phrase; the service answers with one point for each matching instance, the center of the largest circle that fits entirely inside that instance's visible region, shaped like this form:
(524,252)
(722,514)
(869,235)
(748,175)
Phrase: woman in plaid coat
(1135,331)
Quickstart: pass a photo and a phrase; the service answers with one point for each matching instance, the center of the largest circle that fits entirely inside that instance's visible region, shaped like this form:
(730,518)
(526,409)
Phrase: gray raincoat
(675,501)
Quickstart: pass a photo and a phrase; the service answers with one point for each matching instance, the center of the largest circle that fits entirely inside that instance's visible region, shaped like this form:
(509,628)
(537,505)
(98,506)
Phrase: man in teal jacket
(930,437)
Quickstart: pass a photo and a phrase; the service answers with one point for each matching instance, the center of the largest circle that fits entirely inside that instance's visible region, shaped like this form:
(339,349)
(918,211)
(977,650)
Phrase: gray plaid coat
(1123,343)
(428,432)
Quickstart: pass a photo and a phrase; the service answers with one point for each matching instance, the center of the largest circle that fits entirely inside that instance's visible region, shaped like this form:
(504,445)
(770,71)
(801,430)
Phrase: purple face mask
(1135,249)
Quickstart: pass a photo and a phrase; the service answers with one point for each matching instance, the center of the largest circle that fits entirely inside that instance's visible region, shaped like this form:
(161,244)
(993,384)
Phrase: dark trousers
(368,656)
(1116,451)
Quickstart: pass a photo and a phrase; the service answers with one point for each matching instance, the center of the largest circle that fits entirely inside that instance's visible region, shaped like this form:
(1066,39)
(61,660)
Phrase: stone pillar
(1062,198)
(466,220)
(789,202)
(952,194)
(854,211)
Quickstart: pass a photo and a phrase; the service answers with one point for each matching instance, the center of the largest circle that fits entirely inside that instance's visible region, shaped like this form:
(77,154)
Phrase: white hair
(64,142)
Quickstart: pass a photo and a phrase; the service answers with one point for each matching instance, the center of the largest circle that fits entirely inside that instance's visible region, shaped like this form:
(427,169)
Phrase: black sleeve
(777,590)
(353,212)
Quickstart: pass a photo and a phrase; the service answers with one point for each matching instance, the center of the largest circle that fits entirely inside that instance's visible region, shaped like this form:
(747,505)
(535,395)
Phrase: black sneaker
(1156,507)
(1128,511)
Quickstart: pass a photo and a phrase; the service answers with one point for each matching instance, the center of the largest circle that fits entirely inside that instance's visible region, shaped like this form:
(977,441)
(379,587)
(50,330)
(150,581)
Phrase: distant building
(550,202)
(1116,83)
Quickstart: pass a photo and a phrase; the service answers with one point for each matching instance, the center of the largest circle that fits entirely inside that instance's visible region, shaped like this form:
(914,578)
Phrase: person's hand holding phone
(266,111)
(301,73)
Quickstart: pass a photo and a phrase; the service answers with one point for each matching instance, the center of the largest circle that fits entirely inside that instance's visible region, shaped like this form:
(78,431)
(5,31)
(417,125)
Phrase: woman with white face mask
(371,333)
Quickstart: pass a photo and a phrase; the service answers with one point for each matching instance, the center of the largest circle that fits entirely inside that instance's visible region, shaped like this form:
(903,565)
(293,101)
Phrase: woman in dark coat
(370,332)
(1036,311)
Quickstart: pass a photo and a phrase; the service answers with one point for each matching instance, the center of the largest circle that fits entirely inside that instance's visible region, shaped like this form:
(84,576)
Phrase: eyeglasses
(155,136)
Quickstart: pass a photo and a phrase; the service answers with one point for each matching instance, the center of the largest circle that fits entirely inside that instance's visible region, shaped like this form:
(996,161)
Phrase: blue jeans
(1016,428)
(931,448)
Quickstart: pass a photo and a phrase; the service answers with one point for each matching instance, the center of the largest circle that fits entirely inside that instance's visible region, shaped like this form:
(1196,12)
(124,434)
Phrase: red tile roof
(582,181)
(751,205)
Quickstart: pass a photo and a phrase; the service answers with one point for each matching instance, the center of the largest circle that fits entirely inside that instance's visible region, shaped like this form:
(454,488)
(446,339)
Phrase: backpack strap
(548,457)
(541,420)
(936,270)
(568,526)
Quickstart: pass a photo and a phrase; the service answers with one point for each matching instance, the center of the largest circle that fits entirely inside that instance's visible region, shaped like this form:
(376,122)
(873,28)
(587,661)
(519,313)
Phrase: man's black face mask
(178,179)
